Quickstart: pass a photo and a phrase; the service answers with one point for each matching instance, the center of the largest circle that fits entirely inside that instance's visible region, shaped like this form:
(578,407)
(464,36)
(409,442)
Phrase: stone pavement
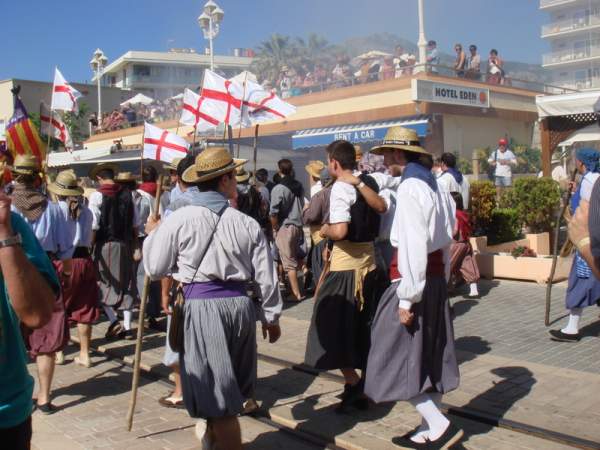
(501,380)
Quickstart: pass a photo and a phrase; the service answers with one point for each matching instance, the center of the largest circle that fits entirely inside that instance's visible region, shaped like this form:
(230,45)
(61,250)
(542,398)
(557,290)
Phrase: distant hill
(387,42)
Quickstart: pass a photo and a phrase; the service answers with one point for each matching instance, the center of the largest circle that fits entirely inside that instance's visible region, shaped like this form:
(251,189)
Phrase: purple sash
(215,289)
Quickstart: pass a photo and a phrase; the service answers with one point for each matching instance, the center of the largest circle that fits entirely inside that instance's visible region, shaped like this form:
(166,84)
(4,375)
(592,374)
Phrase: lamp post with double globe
(209,22)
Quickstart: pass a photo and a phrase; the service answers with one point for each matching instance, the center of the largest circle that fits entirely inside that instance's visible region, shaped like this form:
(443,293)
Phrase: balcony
(582,85)
(561,27)
(547,4)
(584,53)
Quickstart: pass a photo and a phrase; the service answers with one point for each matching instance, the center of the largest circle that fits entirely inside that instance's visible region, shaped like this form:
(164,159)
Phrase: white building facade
(161,75)
(573,32)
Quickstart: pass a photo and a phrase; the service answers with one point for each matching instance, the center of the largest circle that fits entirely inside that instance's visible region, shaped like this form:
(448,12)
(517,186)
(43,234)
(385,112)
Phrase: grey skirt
(115,270)
(218,367)
(316,260)
(407,361)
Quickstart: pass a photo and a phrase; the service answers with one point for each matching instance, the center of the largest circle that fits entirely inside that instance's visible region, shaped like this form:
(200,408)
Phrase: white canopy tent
(139,98)
(568,104)
(588,134)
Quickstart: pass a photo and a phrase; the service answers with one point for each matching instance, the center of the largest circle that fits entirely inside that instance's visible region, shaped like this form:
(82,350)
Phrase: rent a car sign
(450,94)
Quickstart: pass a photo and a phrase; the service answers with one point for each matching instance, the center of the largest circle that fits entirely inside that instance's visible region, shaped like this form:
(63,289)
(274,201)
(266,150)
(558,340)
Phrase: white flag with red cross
(163,145)
(192,112)
(261,105)
(51,124)
(64,96)
(221,99)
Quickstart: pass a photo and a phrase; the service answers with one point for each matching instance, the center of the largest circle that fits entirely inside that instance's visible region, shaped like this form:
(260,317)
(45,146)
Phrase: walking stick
(140,330)
(555,251)
(255,150)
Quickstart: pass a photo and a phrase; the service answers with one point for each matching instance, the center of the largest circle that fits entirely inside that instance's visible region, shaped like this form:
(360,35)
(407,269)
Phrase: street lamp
(98,63)
(422,41)
(209,22)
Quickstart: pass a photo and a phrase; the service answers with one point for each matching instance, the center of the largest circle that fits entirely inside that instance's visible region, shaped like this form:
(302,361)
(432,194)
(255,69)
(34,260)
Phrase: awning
(568,104)
(587,134)
(97,156)
(358,133)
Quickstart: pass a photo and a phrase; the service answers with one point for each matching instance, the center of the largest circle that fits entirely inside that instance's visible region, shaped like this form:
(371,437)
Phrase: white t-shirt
(503,170)
(316,188)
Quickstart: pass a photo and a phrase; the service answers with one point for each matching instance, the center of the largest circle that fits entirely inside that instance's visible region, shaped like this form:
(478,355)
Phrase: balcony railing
(576,23)
(589,83)
(590,50)
(548,3)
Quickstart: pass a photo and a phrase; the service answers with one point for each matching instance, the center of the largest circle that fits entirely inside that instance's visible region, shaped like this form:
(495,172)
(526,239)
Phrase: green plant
(523,251)
(536,200)
(529,159)
(482,154)
(504,226)
(482,203)
(464,165)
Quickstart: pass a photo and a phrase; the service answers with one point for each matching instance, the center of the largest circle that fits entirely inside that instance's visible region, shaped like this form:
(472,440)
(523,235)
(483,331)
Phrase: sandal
(168,401)
(46,408)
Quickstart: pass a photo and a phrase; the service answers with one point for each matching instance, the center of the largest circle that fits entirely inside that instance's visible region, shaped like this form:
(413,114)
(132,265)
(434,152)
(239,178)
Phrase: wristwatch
(11,241)
(360,185)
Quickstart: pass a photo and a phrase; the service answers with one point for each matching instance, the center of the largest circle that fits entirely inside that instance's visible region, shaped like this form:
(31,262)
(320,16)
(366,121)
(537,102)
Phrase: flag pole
(142,151)
(242,113)
(140,329)
(255,149)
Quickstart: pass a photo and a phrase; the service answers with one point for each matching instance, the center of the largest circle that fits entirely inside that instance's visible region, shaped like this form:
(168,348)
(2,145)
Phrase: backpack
(251,204)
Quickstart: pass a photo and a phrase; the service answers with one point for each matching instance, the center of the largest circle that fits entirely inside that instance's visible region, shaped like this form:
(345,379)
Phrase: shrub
(464,165)
(505,226)
(529,159)
(482,203)
(536,201)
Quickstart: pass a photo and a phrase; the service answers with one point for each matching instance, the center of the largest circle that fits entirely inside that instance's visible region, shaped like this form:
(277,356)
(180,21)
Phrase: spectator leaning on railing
(473,64)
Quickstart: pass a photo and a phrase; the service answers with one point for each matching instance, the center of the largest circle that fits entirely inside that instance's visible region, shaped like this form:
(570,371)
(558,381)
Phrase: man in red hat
(503,160)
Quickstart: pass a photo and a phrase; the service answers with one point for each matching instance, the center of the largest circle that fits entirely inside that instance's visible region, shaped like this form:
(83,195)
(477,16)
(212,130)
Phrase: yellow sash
(314,234)
(356,256)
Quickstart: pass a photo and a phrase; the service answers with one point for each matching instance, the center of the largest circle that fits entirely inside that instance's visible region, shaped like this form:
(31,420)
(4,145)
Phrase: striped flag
(22,137)
(51,124)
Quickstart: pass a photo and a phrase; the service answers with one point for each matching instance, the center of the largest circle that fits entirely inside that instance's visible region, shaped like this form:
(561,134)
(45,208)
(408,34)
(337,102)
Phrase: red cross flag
(222,99)
(64,96)
(51,124)
(192,112)
(162,145)
(261,105)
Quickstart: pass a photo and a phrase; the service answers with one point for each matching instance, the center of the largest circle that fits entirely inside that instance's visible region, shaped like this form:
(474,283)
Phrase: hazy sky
(41,34)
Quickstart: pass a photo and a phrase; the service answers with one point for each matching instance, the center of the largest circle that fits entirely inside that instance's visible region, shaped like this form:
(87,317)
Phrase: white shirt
(448,183)
(387,218)
(501,169)
(423,223)
(587,184)
(82,233)
(316,188)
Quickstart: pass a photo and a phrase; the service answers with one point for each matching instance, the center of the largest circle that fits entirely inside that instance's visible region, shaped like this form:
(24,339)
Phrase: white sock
(573,325)
(474,291)
(110,313)
(433,416)
(127,315)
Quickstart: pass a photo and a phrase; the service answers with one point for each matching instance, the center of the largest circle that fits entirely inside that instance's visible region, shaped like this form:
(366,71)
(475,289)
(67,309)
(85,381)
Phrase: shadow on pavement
(462,307)
(470,347)
(275,440)
(497,401)
(285,384)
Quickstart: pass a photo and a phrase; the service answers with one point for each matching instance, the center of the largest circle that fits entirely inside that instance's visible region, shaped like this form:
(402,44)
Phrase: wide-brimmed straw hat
(400,138)
(173,164)
(124,177)
(104,166)
(241,175)
(26,165)
(211,163)
(314,168)
(66,185)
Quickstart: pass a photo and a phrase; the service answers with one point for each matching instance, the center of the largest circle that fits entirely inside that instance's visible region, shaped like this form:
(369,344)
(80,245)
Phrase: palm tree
(273,54)
(315,50)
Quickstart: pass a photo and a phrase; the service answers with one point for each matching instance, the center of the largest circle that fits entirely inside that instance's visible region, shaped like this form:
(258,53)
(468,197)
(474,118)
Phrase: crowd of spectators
(131,115)
(469,66)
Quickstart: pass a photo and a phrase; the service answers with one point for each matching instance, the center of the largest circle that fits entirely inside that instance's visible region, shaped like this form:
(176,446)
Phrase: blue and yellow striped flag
(22,137)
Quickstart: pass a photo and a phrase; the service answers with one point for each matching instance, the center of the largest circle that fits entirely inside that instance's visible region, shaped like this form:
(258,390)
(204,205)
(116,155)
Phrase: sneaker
(558,335)
(203,435)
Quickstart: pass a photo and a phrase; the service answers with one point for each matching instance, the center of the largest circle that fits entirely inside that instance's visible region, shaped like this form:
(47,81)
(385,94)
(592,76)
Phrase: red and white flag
(64,96)
(162,145)
(261,105)
(222,99)
(192,112)
(51,124)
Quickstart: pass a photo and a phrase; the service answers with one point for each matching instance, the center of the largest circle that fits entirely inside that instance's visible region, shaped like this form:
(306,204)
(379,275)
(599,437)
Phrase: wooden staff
(555,251)
(255,150)
(140,329)
(242,115)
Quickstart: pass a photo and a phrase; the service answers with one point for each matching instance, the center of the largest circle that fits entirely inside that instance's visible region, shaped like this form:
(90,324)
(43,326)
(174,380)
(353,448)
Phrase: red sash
(435,265)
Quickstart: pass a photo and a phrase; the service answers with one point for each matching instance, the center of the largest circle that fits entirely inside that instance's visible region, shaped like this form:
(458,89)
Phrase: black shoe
(451,436)
(114,329)
(351,396)
(405,442)
(128,335)
(558,335)
(153,324)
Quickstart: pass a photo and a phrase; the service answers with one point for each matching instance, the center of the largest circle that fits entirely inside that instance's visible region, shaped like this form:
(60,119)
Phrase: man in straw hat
(412,353)
(28,290)
(81,292)
(314,169)
(115,226)
(55,235)
(213,251)
(338,336)
(171,168)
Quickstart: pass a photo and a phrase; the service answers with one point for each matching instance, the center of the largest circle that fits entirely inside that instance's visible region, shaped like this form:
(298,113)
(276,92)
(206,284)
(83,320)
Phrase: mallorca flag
(21,135)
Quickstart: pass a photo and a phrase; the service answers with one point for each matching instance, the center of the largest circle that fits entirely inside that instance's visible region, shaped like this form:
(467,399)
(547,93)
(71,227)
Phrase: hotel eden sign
(450,94)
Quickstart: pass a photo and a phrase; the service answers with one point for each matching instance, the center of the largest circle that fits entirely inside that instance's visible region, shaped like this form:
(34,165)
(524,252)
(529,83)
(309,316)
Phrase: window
(141,71)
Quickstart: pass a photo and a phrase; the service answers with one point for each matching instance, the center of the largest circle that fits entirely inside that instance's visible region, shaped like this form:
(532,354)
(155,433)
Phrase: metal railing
(591,49)
(588,83)
(575,23)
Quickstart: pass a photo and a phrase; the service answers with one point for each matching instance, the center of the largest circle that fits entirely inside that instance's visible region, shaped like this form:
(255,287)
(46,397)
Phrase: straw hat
(314,168)
(125,177)
(173,164)
(26,165)
(400,138)
(105,166)
(66,185)
(359,152)
(211,163)
(241,175)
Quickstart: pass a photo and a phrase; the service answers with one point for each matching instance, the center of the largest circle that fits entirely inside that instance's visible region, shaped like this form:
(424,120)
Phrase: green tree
(273,54)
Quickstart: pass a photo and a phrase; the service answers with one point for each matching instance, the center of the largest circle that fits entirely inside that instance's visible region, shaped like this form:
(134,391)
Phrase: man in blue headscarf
(584,288)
